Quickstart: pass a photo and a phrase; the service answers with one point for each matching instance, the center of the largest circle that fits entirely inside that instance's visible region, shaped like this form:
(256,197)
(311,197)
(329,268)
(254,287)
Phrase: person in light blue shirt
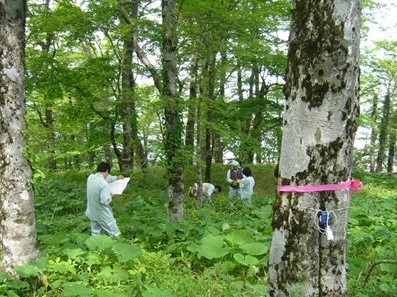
(247,184)
(99,198)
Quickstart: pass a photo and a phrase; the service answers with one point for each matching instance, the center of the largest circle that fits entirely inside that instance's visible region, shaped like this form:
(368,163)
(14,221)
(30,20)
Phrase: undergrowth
(219,250)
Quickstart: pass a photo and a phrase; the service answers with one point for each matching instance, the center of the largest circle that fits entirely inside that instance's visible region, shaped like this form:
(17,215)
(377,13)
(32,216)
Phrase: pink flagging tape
(353,184)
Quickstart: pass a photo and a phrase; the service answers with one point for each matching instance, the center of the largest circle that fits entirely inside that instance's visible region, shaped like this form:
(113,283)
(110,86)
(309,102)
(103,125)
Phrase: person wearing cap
(234,174)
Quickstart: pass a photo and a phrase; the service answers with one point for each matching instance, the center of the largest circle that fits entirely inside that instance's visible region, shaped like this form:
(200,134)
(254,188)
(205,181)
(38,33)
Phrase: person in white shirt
(247,184)
(208,190)
(98,199)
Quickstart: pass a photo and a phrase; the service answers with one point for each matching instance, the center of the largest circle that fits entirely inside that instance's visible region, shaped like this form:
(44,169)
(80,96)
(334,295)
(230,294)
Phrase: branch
(139,51)
(377,262)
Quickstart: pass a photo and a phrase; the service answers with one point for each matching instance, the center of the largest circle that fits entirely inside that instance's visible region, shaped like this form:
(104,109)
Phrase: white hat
(234,163)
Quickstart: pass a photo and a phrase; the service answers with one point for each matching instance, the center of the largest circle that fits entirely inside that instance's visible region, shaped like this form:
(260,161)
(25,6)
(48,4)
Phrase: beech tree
(172,113)
(319,125)
(17,222)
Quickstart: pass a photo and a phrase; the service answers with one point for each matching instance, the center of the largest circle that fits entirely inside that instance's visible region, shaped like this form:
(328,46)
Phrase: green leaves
(123,251)
(126,252)
(219,250)
(255,248)
(218,246)
(99,243)
(76,289)
(372,233)
(26,271)
(246,260)
(211,247)
(239,237)
(111,275)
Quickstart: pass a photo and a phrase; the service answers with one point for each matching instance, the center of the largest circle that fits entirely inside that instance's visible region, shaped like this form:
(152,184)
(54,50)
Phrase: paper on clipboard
(117,187)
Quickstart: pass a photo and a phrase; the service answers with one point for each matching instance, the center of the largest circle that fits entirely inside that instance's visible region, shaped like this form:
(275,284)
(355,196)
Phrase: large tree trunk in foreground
(18,231)
(319,125)
(173,114)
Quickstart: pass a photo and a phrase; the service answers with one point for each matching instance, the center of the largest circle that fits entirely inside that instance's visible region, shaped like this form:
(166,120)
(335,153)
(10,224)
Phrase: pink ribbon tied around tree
(353,184)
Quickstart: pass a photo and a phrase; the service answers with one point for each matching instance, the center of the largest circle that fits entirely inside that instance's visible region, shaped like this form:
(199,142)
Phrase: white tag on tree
(329,233)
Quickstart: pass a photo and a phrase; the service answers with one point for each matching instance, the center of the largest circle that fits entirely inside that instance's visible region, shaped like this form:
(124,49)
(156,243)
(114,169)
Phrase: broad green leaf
(18,284)
(74,253)
(11,293)
(363,236)
(263,213)
(5,277)
(384,287)
(113,275)
(388,267)
(126,252)
(93,259)
(26,270)
(239,237)
(246,260)
(211,247)
(42,263)
(99,243)
(75,289)
(57,267)
(58,283)
(261,290)
(255,248)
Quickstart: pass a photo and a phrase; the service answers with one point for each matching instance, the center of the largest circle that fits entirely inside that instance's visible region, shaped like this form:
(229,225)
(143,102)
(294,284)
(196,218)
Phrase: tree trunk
(133,148)
(320,120)
(392,149)
(383,133)
(18,230)
(126,161)
(217,140)
(173,113)
(392,142)
(199,171)
(191,119)
(210,95)
(374,132)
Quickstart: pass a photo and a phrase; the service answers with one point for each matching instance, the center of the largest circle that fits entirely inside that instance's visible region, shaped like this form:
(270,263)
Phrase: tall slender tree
(383,131)
(133,148)
(17,221)
(173,143)
(374,131)
(319,125)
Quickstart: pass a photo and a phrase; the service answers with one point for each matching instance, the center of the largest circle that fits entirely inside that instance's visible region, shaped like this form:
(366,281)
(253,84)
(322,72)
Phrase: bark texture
(17,219)
(320,121)
(173,114)
(383,132)
(133,148)
(374,132)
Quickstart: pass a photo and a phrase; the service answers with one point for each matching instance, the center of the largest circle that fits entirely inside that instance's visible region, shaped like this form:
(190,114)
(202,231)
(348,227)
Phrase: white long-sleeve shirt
(247,188)
(208,190)
(99,198)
